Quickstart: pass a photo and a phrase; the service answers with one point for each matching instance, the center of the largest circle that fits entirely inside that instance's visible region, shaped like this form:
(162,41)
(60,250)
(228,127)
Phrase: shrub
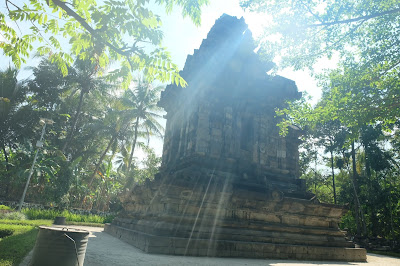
(14,216)
(6,232)
(4,207)
(348,223)
(34,223)
(35,214)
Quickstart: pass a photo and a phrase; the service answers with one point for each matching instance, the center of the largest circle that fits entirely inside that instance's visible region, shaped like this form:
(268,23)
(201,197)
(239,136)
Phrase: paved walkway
(104,249)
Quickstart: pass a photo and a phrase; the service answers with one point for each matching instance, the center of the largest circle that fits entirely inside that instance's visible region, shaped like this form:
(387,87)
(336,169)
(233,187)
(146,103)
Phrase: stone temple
(228,185)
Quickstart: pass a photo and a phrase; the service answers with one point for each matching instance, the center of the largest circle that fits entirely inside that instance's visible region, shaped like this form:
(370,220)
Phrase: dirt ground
(104,249)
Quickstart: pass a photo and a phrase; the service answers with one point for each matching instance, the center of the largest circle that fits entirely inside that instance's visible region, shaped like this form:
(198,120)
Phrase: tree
(106,125)
(308,30)
(12,107)
(353,103)
(362,93)
(331,136)
(149,167)
(85,77)
(52,90)
(376,160)
(121,31)
(365,35)
(141,104)
(114,126)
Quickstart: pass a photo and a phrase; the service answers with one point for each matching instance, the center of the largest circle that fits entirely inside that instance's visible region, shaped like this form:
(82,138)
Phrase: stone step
(180,199)
(209,222)
(264,214)
(223,248)
(231,233)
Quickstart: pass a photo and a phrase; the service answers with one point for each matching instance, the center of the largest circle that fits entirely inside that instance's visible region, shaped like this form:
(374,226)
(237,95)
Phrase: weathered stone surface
(228,185)
(228,248)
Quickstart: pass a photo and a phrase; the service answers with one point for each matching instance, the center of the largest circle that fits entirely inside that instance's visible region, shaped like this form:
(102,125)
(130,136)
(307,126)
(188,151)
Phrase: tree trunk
(133,144)
(102,158)
(75,122)
(354,183)
(5,156)
(315,176)
(333,179)
(391,211)
(373,217)
(357,204)
(7,168)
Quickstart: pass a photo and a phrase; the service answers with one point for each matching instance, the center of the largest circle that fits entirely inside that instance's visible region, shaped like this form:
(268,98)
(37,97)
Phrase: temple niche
(229,183)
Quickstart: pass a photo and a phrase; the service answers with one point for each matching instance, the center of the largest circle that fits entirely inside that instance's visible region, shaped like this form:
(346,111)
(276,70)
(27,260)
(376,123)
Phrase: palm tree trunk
(102,158)
(7,166)
(5,156)
(75,122)
(133,144)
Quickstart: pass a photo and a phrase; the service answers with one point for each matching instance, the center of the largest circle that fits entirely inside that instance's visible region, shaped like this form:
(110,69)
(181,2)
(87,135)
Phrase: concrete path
(104,249)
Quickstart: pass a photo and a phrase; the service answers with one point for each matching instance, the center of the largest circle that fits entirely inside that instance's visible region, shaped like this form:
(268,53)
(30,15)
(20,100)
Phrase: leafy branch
(124,52)
(347,21)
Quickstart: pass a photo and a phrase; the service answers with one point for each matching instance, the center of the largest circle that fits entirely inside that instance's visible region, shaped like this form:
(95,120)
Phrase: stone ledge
(223,248)
(277,235)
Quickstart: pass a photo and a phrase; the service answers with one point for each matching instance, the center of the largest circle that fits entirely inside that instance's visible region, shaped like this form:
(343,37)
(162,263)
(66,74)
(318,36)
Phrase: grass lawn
(21,238)
(17,237)
(15,247)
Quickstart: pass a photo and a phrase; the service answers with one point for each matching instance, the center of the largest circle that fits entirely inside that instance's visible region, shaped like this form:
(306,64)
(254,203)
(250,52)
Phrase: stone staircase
(224,221)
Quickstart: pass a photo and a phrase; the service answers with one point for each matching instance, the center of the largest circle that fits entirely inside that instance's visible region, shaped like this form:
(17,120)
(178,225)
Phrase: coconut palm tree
(85,77)
(114,125)
(12,105)
(70,94)
(141,102)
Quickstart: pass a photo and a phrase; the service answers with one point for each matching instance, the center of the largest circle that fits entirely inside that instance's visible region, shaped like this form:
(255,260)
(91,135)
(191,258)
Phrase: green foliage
(358,97)
(6,232)
(298,112)
(16,246)
(13,216)
(13,107)
(125,32)
(359,108)
(349,223)
(35,223)
(141,105)
(91,126)
(93,224)
(36,214)
(149,167)
(364,88)
(308,30)
(351,111)
(4,207)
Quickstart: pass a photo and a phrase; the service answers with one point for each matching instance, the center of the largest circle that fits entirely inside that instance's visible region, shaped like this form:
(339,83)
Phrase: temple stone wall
(215,130)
